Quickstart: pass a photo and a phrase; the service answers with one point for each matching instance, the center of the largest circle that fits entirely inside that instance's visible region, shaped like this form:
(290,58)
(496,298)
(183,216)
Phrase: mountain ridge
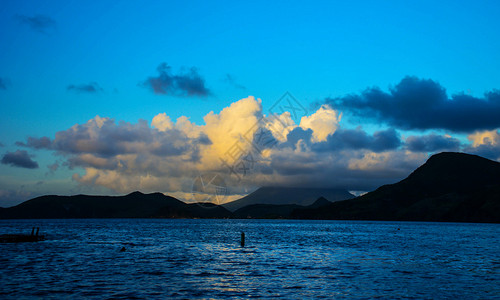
(450,186)
(133,205)
(287,196)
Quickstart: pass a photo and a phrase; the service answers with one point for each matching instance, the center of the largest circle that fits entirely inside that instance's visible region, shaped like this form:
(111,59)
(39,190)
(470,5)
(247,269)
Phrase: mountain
(273,211)
(288,195)
(134,205)
(453,187)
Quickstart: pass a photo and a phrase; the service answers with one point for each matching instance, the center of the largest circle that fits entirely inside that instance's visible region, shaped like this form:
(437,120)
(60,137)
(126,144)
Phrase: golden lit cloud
(323,123)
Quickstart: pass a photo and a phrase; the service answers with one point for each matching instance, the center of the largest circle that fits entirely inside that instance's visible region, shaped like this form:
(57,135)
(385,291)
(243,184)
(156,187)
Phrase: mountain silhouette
(454,187)
(288,196)
(274,211)
(133,205)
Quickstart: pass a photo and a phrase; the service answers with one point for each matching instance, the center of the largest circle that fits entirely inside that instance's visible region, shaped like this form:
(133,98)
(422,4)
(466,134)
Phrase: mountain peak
(136,193)
(288,195)
(455,171)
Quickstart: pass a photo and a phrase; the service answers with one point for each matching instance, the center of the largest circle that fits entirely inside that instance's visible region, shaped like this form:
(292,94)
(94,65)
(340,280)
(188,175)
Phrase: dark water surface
(282,259)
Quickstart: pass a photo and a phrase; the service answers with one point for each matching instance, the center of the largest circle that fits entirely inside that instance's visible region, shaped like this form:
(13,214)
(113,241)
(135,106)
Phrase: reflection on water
(282,259)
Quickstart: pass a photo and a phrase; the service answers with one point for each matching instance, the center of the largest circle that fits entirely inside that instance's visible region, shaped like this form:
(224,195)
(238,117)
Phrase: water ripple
(141,259)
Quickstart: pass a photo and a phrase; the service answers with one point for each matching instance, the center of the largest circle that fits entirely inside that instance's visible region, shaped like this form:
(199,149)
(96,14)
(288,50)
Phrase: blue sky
(65,62)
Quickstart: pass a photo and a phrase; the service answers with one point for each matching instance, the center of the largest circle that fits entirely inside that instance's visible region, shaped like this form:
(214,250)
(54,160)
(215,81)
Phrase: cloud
(36,143)
(103,138)
(323,123)
(91,88)
(9,197)
(20,159)
(186,83)
(432,143)
(229,79)
(245,146)
(38,23)
(358,139)
(485,143)
(423,104)
(487,137)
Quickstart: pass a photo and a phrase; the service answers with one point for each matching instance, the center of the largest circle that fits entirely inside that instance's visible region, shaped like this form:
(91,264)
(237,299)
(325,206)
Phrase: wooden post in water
(242,239)
(33,231)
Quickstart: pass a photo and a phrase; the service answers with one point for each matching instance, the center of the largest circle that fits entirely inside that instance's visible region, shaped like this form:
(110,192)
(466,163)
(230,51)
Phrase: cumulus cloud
(104,138)
(423,104)
(323,123)
(485,143)
(164,156)
(487,137)
(20,159)
(185,83)
(432,143)
(358,139)
(90,88)
(242,144)
(38,23)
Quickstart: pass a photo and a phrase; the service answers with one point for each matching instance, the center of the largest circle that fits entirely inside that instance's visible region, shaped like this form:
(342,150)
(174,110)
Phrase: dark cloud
(490,151)
(423,104)
(358,139)
(98,142)
(36,143)
(229,79)
(39,23)
(91,88)
(338,170)
(188,83)
(432,143)
(20,158)
(10,197)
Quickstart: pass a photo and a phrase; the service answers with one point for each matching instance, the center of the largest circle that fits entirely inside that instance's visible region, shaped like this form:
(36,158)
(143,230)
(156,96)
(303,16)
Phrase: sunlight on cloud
(323,123)
(168,156)
(162,122)
(487,137)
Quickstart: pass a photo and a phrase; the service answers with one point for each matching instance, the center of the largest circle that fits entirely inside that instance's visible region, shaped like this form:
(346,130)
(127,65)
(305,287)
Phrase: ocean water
(203,259)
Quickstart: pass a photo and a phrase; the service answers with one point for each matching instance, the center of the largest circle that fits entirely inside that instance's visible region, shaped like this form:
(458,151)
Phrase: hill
(454,187)
(134,205)
(288,196)
(273,211)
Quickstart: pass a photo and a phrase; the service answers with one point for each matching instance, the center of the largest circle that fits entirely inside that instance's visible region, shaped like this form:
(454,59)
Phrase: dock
(21,238)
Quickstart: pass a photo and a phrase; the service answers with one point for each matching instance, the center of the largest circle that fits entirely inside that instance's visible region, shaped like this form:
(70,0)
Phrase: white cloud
(323,123)
(162,122)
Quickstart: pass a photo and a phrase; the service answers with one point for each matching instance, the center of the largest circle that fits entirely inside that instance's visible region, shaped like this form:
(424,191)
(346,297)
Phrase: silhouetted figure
(242,239)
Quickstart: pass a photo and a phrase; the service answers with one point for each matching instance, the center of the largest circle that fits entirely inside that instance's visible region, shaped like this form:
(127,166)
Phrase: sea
(281,259)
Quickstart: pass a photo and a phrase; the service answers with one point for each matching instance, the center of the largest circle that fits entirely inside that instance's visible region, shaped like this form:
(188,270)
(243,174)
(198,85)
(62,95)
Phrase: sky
(110,97)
